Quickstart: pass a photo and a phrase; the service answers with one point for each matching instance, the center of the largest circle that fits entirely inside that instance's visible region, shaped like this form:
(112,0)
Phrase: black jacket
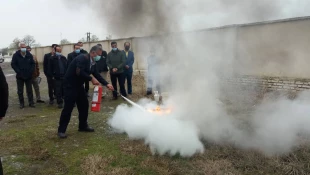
(71,56)
(79,71)
(54,69)
(102,63)
(45,63)
(4,94)
(83,51)
(23,66)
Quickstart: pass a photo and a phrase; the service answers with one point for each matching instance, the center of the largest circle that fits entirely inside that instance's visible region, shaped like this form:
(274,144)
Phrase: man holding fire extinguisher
(77,73)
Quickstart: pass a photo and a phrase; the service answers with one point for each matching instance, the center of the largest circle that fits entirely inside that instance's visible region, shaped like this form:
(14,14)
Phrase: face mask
(114,49)
(23,50)
(77,51)
(97,58)
(58,54)
(127,48)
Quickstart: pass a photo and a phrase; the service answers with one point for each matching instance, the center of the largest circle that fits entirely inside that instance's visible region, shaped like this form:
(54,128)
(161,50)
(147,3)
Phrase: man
(116,62)
(4,94)
(153,72)
(84,52)
(77,73)
(23,64)
(75,53)
(50,81)
(4,101)
(103,68)
(35,77)
(130,59)
(57,68)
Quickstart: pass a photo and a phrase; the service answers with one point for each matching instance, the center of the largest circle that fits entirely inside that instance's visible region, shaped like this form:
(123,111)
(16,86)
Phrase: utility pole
(88,37)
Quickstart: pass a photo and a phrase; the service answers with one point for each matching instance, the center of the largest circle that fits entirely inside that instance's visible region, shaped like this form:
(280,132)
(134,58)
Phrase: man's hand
(110,87)
(95,81)
(1,118)
(115,70)
(127,67)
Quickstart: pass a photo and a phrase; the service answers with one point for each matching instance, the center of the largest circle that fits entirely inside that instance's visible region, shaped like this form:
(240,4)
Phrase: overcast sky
(49,21)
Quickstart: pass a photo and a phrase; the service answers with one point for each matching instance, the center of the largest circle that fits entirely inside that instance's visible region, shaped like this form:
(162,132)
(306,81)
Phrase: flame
(159,110)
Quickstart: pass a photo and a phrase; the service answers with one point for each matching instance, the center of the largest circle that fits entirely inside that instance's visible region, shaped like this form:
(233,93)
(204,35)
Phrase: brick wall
(272,83)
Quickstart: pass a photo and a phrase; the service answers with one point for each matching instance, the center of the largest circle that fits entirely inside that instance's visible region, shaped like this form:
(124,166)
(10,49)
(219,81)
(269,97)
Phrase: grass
(29,146)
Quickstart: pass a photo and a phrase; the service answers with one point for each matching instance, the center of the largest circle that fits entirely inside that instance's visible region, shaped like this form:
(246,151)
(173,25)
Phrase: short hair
(126,43)
(21,44)
(95,49)
(53,45)
(28,47)
(56,47)
(113,42)
(99,45)
(80,42)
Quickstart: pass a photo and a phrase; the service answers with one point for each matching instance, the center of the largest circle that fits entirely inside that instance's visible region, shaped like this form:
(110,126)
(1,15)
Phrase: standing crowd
(68,78)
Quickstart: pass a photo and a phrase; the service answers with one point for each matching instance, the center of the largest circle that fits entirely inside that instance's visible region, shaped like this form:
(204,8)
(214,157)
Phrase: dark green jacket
(116,59)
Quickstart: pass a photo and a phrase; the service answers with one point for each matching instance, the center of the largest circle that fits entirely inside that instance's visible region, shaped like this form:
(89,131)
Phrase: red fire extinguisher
(96,101)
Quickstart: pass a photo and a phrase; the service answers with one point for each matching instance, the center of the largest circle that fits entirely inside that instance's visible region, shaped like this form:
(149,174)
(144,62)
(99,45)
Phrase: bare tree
(82,40)
(108,37)
(14,44)
(64,41)
(29,40)
(4,51)
(94,38)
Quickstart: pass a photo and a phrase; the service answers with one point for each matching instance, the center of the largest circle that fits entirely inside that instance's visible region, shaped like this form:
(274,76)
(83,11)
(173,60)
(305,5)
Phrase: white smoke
(192,66)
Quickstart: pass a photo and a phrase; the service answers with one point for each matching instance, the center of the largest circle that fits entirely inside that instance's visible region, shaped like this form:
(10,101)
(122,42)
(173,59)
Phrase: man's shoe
(87,129)
(40,101)
(51,102)
(21,106)
(149,93)
(62,135)
(32,106)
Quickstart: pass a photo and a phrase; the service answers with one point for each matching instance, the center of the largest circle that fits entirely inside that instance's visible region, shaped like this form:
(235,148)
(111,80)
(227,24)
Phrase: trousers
(153,80)
(36,88)
(86,86)
(128,78)
(51,92)
(104,88)
(20,90)
(74,95)
(58,84)
(120,77)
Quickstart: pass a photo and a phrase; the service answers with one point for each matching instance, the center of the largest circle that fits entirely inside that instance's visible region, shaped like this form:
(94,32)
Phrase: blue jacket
(129,60)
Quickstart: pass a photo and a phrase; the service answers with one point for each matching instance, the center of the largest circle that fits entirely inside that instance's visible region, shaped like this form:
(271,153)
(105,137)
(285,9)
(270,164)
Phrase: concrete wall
(275,48)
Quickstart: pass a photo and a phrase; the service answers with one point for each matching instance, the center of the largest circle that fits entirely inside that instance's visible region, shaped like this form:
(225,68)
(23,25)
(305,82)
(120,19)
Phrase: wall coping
(207,29)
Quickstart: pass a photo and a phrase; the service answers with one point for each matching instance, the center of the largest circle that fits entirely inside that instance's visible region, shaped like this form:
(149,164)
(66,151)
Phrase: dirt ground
(29,146)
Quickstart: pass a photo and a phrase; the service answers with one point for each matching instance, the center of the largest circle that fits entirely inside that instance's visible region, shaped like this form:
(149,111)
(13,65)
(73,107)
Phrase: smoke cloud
(193,64)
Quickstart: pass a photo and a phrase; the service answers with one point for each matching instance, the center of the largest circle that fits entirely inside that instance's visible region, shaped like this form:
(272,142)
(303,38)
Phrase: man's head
(80,44)
(114,46)
(58,50)
(22,47)
(28,48)
(95,53)
(53,48)
(127,46)
(76,48)
(99,45)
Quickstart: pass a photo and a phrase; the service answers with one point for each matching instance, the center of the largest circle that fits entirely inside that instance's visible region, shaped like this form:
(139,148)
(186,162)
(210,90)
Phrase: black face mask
(127,48)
